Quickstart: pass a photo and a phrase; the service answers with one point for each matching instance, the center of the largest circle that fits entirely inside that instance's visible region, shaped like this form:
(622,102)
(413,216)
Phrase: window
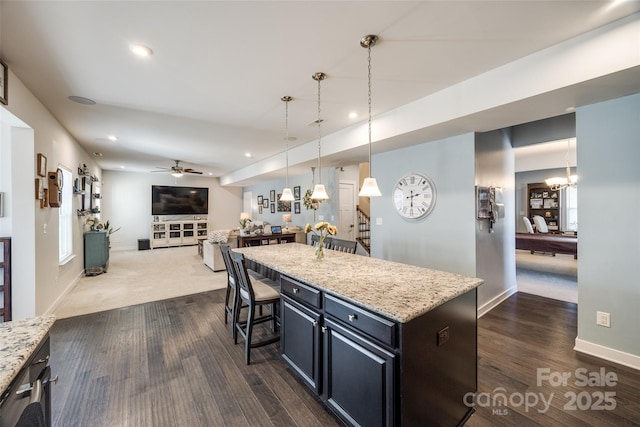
(65,219)
(571,210)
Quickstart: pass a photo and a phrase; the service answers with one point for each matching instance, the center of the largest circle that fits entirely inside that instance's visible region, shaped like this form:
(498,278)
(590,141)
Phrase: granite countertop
(18,340)
(398,291)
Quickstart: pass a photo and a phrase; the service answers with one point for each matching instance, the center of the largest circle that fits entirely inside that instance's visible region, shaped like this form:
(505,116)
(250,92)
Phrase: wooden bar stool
(256,293)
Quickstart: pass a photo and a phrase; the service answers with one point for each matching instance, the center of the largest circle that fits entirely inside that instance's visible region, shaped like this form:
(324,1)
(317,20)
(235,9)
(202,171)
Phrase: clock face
(414,196)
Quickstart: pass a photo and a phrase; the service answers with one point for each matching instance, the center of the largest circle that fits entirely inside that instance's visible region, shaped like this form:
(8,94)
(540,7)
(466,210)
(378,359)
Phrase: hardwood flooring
(173,363)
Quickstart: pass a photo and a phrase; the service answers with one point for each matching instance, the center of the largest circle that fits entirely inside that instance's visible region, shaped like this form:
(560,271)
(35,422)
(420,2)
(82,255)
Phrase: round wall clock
(414,196)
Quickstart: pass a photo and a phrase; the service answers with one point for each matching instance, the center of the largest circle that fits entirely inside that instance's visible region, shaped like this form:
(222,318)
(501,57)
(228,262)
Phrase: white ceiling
(212,89)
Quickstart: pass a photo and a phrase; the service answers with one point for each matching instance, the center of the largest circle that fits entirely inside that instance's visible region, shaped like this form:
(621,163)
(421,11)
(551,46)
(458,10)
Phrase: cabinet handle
(324,329)
(296,290)
(352,317)
(314,323)
(39,361)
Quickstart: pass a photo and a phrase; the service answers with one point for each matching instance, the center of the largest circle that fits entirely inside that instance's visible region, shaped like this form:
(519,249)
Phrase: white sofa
(211,254)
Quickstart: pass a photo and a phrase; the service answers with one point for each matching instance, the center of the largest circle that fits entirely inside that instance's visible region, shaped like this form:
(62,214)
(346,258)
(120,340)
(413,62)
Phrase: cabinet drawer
(300,292)
(371,324)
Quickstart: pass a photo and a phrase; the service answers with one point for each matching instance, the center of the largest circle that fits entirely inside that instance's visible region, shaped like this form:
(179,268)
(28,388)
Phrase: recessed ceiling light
(112,138)
(141,50)
(210,173)
(81,100)
(97,154)
(353,115)
(121,166)
(248,155)
(570,109)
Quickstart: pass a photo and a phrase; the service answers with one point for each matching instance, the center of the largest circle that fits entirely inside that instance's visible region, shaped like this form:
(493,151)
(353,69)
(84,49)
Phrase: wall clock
(414,196)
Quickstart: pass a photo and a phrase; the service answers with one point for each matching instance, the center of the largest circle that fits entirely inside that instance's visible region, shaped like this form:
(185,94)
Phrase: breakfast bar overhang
(380,342)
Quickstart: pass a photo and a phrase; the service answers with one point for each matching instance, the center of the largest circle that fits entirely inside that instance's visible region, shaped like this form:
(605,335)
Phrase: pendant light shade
(287,194)
(319,192)
(370,185)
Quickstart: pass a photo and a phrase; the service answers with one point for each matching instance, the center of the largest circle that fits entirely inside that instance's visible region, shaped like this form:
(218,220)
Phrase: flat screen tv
(169,200)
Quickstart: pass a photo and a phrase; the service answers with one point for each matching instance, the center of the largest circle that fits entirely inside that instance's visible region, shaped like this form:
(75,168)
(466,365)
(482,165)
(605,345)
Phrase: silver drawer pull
(324,329)
(314,323)
(39,361)
(352,317)
(296,290)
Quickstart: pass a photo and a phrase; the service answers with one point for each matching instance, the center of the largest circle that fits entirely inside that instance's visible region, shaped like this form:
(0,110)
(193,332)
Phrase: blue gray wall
(444,240)
(608,137)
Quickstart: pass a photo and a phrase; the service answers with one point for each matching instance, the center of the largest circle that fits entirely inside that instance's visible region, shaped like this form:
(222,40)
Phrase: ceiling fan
(178,170)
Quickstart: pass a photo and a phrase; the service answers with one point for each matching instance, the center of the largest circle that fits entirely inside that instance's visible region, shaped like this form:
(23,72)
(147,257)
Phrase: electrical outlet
(443,336)
(603,319)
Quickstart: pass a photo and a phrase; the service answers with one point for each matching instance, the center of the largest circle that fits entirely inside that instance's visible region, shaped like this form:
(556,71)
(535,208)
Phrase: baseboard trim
(606,353)
(495,301)
(52,308)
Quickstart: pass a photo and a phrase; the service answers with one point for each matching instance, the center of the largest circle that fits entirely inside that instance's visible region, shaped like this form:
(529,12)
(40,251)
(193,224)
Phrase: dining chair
(314,240)
(541,224)
(254,293)
(231,283)
(527,224)
(341,245)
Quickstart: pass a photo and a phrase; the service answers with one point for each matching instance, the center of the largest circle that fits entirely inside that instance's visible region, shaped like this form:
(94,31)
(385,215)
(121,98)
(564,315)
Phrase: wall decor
(4,82)
(272,196)
(283,206)
(296,192)
(414,196)
(260,209)
(296,207)
(42,165)
(265,203)
(44,202)
(273,208)
(259,200)
(39,189)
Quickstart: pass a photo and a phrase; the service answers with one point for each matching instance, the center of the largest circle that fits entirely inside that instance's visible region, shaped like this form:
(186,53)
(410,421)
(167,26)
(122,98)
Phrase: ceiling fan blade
(192,171)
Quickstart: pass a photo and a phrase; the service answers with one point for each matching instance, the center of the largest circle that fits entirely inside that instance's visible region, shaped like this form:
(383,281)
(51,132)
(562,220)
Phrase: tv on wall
(169,200)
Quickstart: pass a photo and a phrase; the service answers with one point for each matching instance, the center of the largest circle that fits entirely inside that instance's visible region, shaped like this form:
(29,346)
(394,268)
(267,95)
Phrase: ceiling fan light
(370,188)
(176,174)
(287,195)
(319,193)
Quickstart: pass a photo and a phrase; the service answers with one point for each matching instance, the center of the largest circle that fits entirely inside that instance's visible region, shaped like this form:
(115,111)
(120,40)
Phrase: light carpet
(136,277)
(547,276)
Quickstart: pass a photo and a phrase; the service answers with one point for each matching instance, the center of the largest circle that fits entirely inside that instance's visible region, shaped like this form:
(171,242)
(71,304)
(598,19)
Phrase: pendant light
(319,193)
(370,185)
(287,194)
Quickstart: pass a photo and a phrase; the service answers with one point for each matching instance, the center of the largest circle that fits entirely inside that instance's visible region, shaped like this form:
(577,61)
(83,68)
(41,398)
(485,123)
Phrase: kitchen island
(24,356)
(381,343)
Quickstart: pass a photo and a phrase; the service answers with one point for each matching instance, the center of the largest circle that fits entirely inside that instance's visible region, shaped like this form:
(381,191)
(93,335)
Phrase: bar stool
(231,283)
(256,293)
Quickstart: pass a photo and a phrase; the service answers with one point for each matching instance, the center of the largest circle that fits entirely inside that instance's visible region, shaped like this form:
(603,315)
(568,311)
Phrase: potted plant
(245,222)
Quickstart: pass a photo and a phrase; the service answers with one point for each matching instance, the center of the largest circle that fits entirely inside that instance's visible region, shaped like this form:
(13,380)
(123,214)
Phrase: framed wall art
(42,165)
(4,82)
(273,208)
(259,200)
(296,207)
(272,196)
(265,203)
(296,192)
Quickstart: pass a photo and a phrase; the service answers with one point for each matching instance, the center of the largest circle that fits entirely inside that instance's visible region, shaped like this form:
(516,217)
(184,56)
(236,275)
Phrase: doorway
(347,210)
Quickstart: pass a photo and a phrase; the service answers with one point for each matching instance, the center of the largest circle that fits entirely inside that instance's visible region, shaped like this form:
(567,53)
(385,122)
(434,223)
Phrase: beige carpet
(136,277)
(547,276)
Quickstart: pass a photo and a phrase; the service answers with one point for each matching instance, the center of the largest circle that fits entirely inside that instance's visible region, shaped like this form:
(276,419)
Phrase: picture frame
(272,196)
(265,203)
(4,82)
(296,192)
(260,209)
(39,188)
(283,206)
(273,208)
(259,200)
(296,207)
(42,165)
(44,202)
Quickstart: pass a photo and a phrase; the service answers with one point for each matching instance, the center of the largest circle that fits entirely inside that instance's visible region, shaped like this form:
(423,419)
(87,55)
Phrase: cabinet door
(300,341)
(359,378)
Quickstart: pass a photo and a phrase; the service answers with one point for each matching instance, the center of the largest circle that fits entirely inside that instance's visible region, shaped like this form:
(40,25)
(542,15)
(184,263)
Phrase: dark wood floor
(172,363)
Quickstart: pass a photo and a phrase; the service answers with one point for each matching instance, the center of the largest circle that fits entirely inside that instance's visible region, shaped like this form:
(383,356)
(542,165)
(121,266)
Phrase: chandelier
(559,182)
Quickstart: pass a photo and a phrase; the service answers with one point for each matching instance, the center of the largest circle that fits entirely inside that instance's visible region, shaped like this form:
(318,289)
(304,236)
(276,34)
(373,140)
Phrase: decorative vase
(320,248)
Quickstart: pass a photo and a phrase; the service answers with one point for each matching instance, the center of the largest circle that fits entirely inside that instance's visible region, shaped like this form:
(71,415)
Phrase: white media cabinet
(178,233)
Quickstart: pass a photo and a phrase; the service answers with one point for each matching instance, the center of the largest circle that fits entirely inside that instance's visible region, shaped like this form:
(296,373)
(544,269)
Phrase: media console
(178,233)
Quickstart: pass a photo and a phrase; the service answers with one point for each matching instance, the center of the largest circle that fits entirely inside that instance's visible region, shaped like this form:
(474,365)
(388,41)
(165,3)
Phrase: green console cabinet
(96,252)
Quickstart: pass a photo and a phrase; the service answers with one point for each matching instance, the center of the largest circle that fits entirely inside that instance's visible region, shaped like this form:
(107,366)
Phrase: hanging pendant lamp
(287,194)
(370,185)
(319,192)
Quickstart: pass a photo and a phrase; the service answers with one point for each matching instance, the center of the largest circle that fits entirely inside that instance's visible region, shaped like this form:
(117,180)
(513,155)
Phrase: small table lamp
(286,218)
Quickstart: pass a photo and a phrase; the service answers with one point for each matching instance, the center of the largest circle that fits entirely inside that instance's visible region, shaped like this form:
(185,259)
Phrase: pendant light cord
(319,135)
(369,79)
(286,137)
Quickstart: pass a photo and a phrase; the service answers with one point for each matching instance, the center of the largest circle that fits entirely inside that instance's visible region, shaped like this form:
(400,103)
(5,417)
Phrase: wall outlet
(320,217)
(603,319)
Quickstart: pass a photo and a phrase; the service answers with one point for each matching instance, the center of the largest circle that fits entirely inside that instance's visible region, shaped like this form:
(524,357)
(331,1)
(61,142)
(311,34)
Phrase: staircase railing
(364,230)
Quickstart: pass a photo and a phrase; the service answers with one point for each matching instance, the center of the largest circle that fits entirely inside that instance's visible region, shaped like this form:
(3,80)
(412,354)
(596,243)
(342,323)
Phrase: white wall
(609,238)
(445,239)
(126,203)
(51,139)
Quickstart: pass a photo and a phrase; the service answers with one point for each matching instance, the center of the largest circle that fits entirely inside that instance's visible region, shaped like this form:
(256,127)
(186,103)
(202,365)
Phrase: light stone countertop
(18,341)
(398,291)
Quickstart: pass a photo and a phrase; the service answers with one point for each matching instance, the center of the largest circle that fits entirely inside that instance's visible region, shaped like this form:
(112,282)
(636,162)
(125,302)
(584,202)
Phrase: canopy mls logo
(598,400)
